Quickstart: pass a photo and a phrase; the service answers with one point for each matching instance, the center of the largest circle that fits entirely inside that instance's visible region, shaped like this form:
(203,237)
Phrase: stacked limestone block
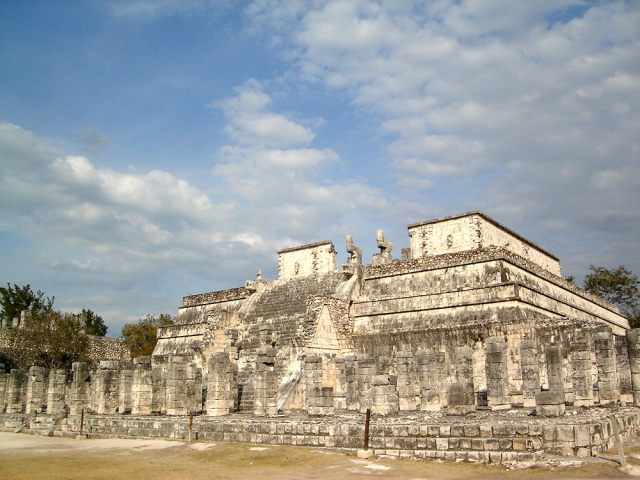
(365,370)
(194,389)
(460,394)
(37,390)
(319,398)
(530,373)
(221,387)
(265,385)
(604,344)
(551,402)
(125,384)
(633,339)
(176,386)
(342,386)
(79,390)
(497,375)
(431,365)
(105,391)
(4,378)
(56,392)
(351,389)
(141,386)
(15,396)
(623,370)
(582,359)
(158,385)
(407,392)
(384,394)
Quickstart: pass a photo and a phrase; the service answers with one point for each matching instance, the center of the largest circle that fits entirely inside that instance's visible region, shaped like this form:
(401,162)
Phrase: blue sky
(152,149)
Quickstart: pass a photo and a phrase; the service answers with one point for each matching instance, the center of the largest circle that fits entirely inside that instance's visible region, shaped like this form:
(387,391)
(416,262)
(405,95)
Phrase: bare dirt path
(29,456)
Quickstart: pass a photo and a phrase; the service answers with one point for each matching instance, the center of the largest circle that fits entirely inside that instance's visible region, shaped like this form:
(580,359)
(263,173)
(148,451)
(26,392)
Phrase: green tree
(15,299)
(49,339)
(141,337)
(94,323)
(618,286)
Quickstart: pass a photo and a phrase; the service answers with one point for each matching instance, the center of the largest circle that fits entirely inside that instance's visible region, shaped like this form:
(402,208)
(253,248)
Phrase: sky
(155,149)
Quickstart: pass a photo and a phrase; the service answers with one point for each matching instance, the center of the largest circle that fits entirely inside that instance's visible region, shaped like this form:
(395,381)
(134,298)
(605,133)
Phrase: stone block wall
(106,348)
(141,386)
(489,438)
(313,259)
(37,390)
(474,231)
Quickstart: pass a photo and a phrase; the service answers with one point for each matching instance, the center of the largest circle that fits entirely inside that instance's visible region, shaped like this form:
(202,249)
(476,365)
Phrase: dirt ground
(29,456)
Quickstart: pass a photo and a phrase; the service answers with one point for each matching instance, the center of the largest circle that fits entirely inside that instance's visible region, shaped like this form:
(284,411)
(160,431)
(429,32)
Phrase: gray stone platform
(485,436)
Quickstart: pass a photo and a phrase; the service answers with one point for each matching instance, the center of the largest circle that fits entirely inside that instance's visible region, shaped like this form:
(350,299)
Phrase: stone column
(530,372)
(460,394)
(365,370)
(633,344)
(265,388)
(37,390)
(158,386)
(4,378)
(606,360)
(497,374)
(194,388)
(551,403)
(384,394)
(125,383)
(555,373)
(351,375)
(340,393)
(106,388)
(220,385)
(176,389)
(141,386)
(16,386)
(623,370)
(430,374)
(80,388)
(313,384)
(56,392)
(406,387)
(580,356)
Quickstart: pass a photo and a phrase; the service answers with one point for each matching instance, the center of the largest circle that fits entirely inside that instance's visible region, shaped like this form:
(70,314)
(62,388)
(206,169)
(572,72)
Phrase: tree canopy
(141,337)
(94,323)
(46,338)
(49,339)
(15,299)
(618,286)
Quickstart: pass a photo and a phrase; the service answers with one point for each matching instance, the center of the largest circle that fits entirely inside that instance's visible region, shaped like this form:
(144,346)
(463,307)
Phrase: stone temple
(471,318)
(472,315)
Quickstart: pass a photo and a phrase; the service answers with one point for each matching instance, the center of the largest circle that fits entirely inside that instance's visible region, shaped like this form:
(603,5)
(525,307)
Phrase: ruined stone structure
(473,317)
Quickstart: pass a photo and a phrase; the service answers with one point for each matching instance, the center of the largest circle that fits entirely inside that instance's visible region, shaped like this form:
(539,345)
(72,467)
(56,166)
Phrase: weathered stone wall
(220,296)
(107,348)
(316,258)
(490,280)
(482,438)
(474,231)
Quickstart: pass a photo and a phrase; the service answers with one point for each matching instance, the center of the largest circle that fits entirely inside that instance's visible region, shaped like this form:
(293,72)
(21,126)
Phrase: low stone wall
(487,437)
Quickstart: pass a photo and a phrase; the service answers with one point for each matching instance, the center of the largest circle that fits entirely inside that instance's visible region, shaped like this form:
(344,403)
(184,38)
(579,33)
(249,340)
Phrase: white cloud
(251,124)
(126,232)
(281,183)
(532,104)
